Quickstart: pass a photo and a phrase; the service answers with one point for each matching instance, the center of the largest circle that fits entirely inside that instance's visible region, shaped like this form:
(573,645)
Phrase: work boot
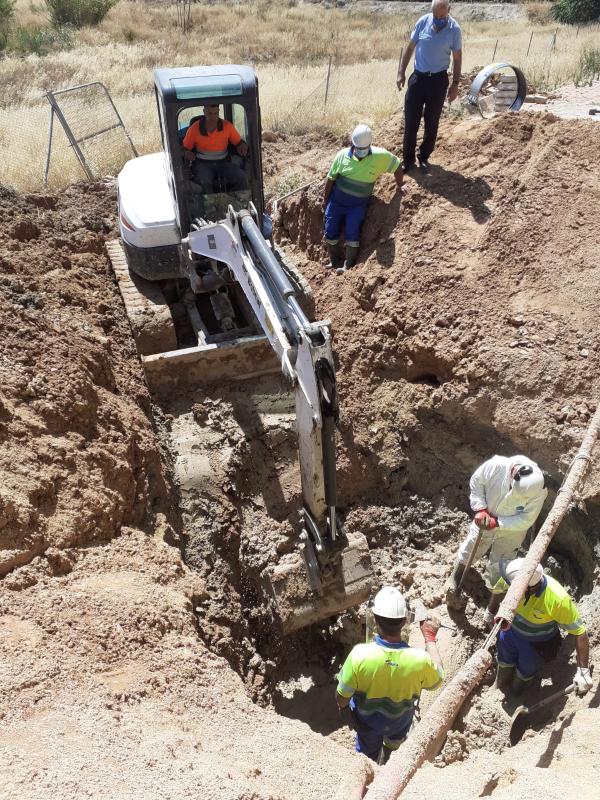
(335,255)
(351,255)
(518,685)
(504,678)
(453,599)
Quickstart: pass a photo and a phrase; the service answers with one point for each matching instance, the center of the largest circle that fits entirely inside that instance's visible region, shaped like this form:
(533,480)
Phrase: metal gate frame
(55,109)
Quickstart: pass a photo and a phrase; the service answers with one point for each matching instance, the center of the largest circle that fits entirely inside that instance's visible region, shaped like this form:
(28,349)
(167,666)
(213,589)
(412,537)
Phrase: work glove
(429,629)
(483,519)
(582,681)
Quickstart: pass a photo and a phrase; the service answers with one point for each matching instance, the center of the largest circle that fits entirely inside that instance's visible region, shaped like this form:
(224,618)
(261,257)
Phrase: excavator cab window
(219,176)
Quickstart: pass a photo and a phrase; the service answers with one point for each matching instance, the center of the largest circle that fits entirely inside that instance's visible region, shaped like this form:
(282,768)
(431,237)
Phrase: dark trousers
(218,176)
(425,97)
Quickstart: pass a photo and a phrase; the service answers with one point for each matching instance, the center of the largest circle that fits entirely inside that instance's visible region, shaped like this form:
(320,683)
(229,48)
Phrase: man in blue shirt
(435,38)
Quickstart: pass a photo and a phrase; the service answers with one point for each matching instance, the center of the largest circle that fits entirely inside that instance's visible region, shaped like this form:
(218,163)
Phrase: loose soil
(135,633)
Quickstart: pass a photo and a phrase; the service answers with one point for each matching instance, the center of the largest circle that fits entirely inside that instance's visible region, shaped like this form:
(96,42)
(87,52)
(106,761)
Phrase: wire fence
(92,131)
(372,85)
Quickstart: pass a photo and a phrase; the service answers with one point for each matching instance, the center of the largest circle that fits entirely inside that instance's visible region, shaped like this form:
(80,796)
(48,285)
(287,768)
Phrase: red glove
(429,628)
(483,519)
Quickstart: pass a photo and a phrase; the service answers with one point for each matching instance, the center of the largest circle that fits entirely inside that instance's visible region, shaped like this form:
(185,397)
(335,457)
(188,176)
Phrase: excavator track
(148,313)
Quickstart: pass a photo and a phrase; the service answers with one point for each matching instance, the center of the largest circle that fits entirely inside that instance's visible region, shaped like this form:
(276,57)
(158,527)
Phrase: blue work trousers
(339,215)
(515,650)
(371,734)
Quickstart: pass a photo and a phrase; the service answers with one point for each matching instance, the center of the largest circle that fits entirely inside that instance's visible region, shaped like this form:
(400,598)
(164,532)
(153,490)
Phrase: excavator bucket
(346,582)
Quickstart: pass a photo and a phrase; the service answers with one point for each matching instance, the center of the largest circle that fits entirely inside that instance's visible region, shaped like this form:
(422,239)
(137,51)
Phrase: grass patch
(589,66)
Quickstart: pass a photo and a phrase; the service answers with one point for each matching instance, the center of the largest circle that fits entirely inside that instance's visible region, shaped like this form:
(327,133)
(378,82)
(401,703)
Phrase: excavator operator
(206,145)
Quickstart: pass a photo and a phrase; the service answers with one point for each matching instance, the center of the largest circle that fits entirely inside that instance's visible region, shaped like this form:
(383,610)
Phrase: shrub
(78,13)
(574,11)
(6,14)
(38,40)
(538,13)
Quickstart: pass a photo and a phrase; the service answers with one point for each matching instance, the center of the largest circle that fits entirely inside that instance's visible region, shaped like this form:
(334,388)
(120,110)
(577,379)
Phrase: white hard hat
(515,565)
(362,136)
(389,603)
(528,481)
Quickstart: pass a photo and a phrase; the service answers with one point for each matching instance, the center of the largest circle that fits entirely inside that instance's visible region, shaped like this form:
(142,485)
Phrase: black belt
(431,74)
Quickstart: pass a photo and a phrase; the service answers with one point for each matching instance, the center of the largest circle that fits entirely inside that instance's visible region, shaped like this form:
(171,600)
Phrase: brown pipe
(428,737)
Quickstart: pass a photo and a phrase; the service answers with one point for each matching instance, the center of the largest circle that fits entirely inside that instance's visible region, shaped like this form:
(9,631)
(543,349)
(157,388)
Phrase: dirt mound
(107,690)
(77,454)
(473,306)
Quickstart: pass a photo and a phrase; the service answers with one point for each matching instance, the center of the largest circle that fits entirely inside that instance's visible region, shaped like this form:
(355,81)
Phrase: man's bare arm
(456,70)
(328,187)
(406,56)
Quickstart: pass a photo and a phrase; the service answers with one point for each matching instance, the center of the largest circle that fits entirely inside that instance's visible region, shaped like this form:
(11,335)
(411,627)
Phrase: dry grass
(539,13)
(289,47)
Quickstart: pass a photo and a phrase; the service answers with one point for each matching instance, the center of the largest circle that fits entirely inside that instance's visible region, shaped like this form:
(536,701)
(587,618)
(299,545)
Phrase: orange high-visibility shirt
(213,145)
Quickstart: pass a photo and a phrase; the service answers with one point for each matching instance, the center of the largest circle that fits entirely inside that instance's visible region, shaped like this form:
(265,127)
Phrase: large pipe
(428,738)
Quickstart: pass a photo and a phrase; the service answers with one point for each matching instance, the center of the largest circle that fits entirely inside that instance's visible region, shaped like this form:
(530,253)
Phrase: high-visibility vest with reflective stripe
(356,176)
(551,607)
(385,678)
(211,145)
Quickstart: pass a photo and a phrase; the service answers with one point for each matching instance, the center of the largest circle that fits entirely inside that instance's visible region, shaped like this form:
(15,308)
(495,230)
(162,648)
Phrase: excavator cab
(211,299)
(216,183)
(182,95)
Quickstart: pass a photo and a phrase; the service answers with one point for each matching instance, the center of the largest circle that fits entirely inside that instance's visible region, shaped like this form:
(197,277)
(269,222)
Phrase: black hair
(389,627)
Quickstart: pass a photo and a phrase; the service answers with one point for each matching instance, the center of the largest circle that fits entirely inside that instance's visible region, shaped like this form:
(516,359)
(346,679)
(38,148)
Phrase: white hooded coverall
(490,487)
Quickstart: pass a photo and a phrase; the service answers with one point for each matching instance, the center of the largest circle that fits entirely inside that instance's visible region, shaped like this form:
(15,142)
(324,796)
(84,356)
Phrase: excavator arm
(337,577)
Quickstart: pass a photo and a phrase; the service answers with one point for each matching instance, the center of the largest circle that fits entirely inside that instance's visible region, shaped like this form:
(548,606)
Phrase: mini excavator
(213,251)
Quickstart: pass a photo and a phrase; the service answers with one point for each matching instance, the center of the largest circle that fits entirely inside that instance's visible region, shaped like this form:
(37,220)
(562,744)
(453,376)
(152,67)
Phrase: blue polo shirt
(433,48)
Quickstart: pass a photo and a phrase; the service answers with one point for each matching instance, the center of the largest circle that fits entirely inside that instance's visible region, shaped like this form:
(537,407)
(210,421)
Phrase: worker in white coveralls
(381,680)
(507,495)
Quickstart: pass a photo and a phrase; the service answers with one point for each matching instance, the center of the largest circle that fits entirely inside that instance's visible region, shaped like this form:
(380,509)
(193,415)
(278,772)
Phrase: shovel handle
(471,558)
(563,692)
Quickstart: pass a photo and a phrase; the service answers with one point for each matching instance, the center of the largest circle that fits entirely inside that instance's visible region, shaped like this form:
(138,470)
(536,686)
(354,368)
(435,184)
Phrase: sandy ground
(468,327)
(572,102)
(462,11)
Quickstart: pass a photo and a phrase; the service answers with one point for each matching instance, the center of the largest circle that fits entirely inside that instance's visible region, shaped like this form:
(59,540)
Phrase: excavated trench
(234,457)
(467,328)
(429,387)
